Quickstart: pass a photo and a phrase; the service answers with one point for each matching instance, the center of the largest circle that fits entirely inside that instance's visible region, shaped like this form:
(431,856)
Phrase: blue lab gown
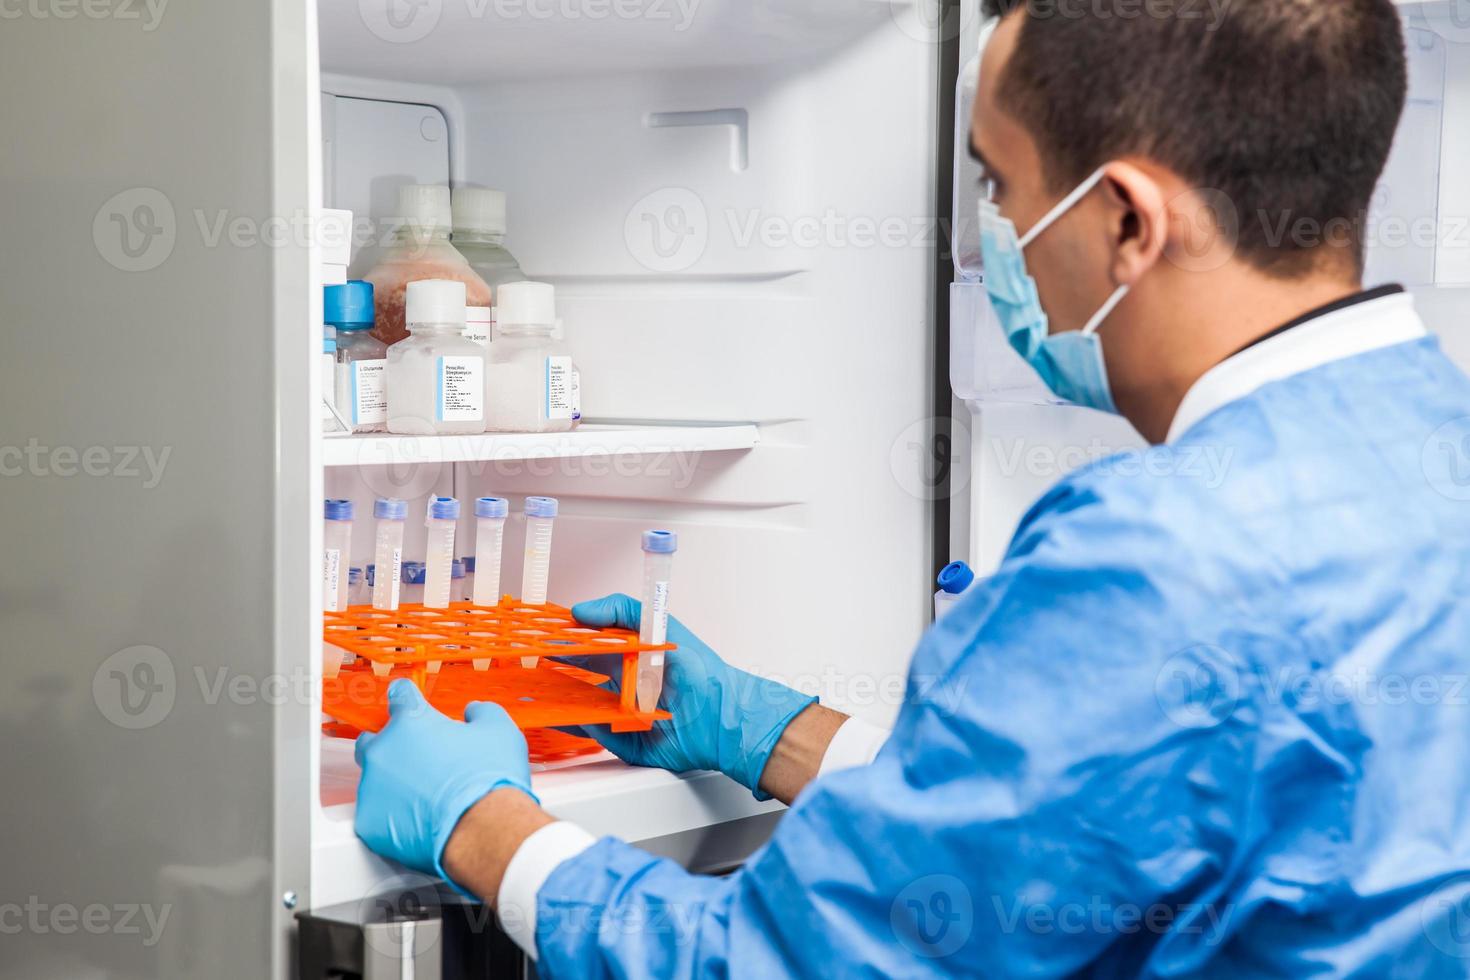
(1191,727)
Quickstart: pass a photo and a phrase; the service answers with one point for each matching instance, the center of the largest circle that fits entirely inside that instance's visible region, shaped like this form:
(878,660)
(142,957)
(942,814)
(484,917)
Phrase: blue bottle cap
(372,574)
(492,507)
(955,577)
(456,568)
(390,509)
(540,506)
(354,576)
(443,509)
(414,572)
(339,510)
(469,564)
(660,542)
(349,306)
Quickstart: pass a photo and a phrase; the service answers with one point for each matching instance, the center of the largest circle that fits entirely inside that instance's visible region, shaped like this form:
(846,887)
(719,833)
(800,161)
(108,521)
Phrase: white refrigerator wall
(764,254)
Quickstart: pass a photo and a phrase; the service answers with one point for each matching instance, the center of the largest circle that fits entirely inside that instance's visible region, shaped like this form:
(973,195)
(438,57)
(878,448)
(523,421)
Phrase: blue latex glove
(724,719)
(424,770)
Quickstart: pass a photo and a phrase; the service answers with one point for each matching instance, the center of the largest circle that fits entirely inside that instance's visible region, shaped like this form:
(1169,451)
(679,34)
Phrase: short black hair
(1288,108)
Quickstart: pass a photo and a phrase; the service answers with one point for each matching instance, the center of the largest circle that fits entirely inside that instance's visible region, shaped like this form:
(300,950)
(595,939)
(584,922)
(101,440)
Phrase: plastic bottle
(419,249)
(954,579)
(361,365)
(531,382)
(356,587)
(441,519)
(536,571)
(658,567)
(490,515)
(457,575)
(336,554)
(479,234)
(436,378)
(391,513)
(477,325)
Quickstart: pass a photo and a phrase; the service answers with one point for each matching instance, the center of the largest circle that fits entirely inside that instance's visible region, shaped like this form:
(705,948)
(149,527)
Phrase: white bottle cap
(434,301)
(479,211)
(526,303)
(425,207)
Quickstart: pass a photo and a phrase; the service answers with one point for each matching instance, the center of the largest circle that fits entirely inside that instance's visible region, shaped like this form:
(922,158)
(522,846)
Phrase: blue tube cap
(372,574)
(443,509)
(349,306)
(354,575)
(541,506)
(390,509)
(660,542)
(414,572)
(456,568)
(492,507)
(955,577)
(339,510)
(469,564)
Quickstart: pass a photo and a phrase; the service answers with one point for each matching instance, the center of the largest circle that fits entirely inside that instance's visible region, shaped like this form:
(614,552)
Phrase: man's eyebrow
(976,155)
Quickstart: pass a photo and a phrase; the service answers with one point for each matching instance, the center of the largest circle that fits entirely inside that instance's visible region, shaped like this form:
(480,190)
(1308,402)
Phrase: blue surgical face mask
(1070,363)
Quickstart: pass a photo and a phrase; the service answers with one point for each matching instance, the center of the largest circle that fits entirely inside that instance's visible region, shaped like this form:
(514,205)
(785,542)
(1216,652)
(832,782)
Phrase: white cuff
(530,866)
(855,744)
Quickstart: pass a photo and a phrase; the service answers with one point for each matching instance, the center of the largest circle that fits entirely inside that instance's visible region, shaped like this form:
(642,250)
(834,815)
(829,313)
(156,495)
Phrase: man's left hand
(424,770)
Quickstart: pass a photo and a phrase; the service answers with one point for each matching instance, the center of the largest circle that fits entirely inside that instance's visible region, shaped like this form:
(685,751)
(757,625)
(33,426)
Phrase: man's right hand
(724,719)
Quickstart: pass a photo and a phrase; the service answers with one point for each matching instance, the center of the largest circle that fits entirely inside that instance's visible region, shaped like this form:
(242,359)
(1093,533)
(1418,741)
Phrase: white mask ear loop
(1063,206)
(1066,204)
(1107,308)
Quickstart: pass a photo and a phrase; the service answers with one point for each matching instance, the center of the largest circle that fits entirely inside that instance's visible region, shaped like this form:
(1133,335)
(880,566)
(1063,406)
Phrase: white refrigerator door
(1013,440)
(154,507)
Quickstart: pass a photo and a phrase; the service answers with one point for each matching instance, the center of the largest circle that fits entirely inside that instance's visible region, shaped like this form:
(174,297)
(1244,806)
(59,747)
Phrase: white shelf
(589,439)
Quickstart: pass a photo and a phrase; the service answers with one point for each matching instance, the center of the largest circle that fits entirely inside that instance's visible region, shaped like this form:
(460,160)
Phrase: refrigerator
(759,219)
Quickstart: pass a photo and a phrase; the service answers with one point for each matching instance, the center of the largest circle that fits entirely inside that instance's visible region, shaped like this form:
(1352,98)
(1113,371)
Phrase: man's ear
(1137,221)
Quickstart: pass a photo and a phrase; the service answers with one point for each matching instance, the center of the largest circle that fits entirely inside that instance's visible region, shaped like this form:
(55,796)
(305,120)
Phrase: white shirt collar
(1347,332)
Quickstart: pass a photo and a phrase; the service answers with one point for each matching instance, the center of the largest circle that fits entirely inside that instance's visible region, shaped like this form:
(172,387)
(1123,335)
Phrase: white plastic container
(477,325)
(440,521)
(536,571)
(420,249)
(336,554)
(362,364)
(531,382)
(457,577)
(484,568)
(490,515)
(479,234)
(954,579)
(436,378)
(653,630)
(391,513)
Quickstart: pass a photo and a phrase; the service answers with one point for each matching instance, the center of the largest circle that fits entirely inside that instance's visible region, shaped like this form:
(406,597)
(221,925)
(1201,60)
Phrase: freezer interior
(737,210)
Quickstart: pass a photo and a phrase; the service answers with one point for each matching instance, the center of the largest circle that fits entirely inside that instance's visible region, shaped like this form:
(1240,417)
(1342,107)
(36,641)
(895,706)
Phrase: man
(1170,734)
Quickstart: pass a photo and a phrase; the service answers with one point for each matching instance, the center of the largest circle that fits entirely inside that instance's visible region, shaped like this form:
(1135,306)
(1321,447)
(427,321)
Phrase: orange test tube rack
(473,653)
